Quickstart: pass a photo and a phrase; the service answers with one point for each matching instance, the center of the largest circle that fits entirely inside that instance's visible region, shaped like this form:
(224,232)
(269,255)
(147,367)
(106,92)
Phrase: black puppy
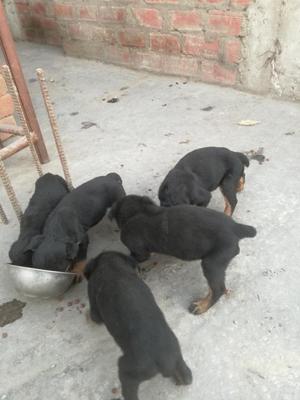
(186,232)
(49,190)
(64,240)
(202,171)
(120,299)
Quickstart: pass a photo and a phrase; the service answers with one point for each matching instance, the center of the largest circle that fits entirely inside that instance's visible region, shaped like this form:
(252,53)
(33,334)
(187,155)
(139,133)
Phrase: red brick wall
(196,38)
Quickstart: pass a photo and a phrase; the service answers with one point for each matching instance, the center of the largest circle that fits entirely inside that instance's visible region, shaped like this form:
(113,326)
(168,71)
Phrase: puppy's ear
(113,211)
(71,225)
(72,250)
(89,268)
(34,243)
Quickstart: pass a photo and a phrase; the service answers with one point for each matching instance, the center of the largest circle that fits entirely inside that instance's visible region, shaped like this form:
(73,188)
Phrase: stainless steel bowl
(41,283)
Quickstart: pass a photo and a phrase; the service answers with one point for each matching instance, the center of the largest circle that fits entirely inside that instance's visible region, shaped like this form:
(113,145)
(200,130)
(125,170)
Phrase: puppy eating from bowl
(64,241)
(49,191)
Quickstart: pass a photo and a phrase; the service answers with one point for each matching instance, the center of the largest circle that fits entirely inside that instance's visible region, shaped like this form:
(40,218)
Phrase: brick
(31,34)
(149,61)
(63,11)
(130,38)
(168,64)
(232,51)
(22,8)
(38,8)
(186,20)
(241,3)
(48,23)
(88,13)
(215,2)
(83,49)
(6,106)
(164,43)
(161,1)
(3,88)
(112,14)
(196,45)
(53,38)
(25,20)
(80,31)
(104,35)
(212,71)
(118,55)
(182,66)
(148,17)
(50,10)
(227,23)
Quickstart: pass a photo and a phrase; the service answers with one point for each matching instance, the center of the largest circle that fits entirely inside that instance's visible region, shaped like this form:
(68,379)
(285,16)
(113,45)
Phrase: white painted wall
(272,48)
(13,19)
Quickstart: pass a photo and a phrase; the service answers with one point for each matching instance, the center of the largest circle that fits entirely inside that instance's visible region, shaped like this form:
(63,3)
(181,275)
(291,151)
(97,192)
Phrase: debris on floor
(11,311)
(257,155)
(87,124)
(248,122)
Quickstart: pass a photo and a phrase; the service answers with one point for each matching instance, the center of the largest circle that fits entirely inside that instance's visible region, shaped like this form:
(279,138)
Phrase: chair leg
(10,191)
(3,217)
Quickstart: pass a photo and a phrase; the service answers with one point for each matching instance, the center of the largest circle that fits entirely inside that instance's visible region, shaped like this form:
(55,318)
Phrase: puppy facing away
(186,232)
(200,172)
(125,304)
(64,240)
(49,190)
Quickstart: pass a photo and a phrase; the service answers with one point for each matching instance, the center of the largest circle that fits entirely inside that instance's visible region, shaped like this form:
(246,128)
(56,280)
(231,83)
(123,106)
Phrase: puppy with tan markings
(49,190)
(200,172)
(64,240)
(125,304)
(186,232)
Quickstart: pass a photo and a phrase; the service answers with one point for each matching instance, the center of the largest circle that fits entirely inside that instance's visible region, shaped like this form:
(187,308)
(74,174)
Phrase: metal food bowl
(33,282)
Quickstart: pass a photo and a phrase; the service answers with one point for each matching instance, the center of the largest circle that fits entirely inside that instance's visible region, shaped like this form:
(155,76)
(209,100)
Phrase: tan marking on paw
(241,184)
(78,269)
(202,305)
(228,209)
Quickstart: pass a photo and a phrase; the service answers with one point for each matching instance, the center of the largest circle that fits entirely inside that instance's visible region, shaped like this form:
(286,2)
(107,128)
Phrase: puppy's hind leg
(183,374)
(241,184)
(228,189)
(129,383)
(214,268)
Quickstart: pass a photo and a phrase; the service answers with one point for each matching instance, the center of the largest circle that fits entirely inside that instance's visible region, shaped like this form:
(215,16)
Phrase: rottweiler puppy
(186,232)
(49,190)
(200,172)
(64,242)
(125,304)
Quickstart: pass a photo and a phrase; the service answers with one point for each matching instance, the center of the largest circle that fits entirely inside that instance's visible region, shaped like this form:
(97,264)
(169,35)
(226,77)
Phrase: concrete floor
(244,348)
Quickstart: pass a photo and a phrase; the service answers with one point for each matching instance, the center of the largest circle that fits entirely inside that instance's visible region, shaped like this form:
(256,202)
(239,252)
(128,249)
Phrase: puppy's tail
(243,158)
(244,231)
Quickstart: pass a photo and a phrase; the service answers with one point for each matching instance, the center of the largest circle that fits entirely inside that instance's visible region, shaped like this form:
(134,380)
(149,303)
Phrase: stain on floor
(11,311)
(257,155)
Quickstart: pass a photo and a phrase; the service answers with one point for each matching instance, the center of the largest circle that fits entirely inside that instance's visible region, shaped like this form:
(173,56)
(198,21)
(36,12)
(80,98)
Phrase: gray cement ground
(244,348)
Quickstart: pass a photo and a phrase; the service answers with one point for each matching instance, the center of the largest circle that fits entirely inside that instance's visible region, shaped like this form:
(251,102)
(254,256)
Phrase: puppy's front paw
(200,306)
